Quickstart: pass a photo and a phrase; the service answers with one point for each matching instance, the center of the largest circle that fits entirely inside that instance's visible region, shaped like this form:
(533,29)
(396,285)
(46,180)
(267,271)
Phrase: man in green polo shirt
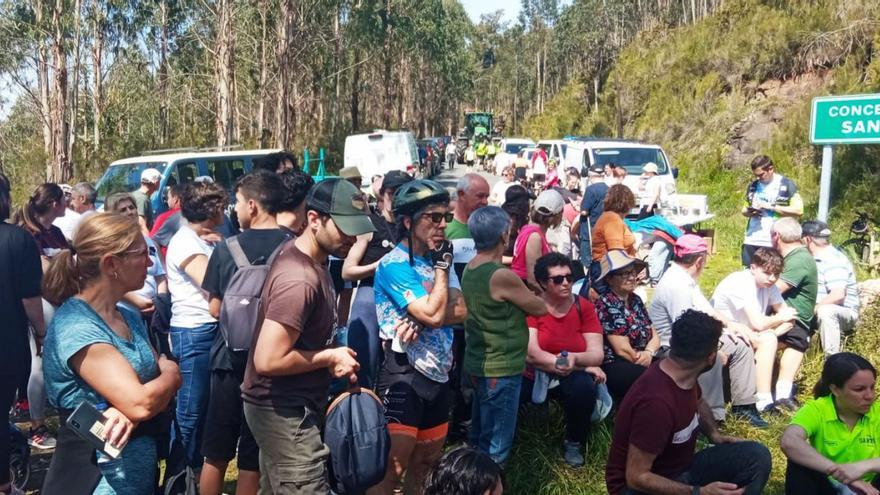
(799,285)
(471,192)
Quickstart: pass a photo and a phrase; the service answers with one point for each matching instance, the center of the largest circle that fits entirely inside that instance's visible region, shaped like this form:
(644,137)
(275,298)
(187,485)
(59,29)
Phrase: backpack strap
(237,252)
(577,307)
(278,249)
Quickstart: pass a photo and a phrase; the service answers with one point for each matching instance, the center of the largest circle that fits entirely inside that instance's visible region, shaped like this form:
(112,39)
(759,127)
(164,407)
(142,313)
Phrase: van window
(226,172)
(124,178)
(185,172)
(633,159)
(513,148)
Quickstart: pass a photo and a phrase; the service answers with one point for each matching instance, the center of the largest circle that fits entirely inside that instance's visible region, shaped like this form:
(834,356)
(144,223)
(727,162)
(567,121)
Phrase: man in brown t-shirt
(286,381)
(655,431)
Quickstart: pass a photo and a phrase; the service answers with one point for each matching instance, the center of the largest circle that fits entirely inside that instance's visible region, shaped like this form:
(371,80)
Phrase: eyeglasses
(437,217)
(628,274)
(557,279)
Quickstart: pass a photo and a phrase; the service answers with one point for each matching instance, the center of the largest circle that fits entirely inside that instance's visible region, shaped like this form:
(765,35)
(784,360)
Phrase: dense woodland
(89,81)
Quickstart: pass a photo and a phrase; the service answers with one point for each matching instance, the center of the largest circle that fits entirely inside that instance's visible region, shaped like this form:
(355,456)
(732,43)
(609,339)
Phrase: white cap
(151,175)
(650,167)
(549,202)
(204,178)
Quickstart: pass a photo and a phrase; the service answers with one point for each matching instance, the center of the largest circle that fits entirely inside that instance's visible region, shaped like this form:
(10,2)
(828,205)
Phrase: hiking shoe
(749,413)
(21,409)
(573,454)
(788,404)
(41,438)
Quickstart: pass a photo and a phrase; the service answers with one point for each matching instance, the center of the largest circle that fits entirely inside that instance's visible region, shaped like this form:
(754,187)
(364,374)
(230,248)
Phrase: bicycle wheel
(857,250)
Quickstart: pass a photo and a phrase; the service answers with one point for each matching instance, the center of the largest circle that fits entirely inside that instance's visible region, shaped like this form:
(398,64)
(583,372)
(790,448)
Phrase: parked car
(381,151)
(223,167)
(510,147)
(629,154)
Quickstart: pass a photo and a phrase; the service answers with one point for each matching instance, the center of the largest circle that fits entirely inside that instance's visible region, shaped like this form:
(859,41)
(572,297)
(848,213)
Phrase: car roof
(518,140)
(601,143)
(169,157)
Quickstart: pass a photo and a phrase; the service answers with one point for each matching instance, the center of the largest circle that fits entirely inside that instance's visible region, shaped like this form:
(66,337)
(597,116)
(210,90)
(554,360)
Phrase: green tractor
(477,125)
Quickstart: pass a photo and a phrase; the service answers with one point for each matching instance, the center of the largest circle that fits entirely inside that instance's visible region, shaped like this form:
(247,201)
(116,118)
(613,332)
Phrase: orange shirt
(610,232)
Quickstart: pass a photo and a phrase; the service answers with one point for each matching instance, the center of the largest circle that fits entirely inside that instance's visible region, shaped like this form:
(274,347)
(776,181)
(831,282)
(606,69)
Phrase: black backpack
(356,432)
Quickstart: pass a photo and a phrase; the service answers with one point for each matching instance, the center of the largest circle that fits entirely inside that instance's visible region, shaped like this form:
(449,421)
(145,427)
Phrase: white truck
(381,151)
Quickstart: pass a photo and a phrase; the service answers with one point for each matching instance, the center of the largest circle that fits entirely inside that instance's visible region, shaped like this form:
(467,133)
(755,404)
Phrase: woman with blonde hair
(97,351)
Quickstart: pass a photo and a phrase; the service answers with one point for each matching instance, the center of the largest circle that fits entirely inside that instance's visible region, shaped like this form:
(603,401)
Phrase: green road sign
(845,119)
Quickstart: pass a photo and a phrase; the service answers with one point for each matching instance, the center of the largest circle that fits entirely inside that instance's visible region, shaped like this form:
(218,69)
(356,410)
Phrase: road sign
(846,119)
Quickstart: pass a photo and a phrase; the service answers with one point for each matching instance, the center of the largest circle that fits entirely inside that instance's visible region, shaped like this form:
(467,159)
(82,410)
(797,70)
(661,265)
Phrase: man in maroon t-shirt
(655,431)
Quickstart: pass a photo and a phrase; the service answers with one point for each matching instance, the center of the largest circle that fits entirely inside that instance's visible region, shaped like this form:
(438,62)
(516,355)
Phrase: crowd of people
(468,307)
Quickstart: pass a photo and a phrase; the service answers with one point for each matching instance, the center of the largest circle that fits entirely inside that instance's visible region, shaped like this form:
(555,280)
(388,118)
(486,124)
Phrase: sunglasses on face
(437,217)
(557,279)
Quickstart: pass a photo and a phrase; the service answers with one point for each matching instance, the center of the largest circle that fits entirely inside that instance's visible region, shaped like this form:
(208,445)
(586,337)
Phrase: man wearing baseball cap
(837,303)
(679,291)
(150,179)
(650,190)
(291,362)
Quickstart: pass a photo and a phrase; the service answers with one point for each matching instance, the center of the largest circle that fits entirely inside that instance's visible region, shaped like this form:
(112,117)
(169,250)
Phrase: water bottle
(562,360)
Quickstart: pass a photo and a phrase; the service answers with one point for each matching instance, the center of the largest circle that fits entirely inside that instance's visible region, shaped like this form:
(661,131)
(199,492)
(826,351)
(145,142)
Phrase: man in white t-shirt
(677,292)
(80,205)
(746,297)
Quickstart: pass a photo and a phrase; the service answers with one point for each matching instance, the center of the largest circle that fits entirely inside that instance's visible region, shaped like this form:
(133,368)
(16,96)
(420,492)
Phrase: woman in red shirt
(566,344)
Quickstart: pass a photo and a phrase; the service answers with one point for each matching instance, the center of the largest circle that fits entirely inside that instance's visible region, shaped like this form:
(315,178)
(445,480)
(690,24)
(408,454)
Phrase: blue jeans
(493,417)
(363,335)
(192,348)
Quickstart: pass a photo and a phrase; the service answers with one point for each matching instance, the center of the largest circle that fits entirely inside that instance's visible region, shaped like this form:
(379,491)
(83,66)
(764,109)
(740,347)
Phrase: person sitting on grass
(798,284)
(655,431)
(831,443)
(571,327)
(751,298)
(837,302)
(631,343)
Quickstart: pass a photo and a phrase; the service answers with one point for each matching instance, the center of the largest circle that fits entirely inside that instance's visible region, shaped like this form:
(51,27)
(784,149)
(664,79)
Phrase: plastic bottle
(562,360)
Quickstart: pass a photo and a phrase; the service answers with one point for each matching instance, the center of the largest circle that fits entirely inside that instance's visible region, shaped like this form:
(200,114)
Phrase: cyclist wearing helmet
(361,264)
(414,284)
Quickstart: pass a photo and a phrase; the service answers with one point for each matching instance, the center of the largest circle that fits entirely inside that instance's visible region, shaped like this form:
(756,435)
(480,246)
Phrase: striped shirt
(835,271)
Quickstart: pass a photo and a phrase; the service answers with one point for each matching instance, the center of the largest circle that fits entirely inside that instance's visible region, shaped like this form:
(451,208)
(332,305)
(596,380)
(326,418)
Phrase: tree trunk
(355,92)
(60,170)
(264,74)
(74,89)
(284,74)
(224,74)
(163,75)
(98,74)
(386,79)
(43,87)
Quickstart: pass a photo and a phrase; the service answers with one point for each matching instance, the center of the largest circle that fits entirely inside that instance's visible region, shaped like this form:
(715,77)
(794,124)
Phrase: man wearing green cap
(286,381)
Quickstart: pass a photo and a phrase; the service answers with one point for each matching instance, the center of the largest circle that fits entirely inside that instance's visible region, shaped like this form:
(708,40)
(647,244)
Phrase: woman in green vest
(833,442)
(496,334)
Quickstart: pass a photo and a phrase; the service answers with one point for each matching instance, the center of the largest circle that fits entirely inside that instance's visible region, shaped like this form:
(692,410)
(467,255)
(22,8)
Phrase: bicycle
(863,247)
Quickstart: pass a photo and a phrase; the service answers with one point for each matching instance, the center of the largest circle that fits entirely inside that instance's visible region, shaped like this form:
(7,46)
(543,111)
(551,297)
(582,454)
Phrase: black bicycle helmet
(417,194)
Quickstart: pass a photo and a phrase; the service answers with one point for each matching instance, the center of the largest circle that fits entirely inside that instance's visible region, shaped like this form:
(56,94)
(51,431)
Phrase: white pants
(832,321)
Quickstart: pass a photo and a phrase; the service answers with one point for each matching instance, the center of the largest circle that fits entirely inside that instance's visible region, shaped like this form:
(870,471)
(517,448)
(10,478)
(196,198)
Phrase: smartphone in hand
(87,422)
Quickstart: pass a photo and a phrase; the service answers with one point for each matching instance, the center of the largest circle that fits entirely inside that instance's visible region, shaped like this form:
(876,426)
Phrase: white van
(554,148)
(631,155)
(508,149)
(380,152)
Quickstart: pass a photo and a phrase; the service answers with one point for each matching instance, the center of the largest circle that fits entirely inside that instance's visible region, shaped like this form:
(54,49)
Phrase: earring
(115,275)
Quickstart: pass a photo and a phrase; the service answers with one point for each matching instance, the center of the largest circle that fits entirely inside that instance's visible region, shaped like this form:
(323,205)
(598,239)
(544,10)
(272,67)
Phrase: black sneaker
(769,409)
(749,413)
(788,404)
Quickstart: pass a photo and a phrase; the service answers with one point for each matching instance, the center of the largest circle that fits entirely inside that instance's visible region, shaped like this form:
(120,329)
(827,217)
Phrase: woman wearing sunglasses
(630,339)
(565,344)
(141,300)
